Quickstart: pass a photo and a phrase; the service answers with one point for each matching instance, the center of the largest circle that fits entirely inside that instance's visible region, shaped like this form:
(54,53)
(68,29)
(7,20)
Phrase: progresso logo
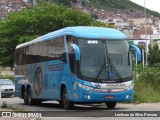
(56,67)
(116,85)
(97,86)
(109,85)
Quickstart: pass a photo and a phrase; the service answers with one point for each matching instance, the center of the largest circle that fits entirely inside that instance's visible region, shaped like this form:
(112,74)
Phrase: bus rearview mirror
(138,52)
(77,51)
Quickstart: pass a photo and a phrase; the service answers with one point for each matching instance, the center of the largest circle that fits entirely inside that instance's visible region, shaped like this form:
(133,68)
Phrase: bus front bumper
(97,97)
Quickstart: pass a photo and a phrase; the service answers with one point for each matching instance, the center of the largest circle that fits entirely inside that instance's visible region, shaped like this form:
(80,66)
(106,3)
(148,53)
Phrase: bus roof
(82,32)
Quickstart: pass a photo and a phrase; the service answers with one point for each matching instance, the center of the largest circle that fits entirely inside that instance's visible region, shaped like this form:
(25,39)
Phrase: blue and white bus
(76,65)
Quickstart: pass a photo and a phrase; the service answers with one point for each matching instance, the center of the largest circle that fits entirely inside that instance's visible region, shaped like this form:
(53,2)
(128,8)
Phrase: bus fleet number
(56,67)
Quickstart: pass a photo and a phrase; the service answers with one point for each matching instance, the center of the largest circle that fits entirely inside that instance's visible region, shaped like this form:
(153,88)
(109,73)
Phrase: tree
(154,55)
(32,22)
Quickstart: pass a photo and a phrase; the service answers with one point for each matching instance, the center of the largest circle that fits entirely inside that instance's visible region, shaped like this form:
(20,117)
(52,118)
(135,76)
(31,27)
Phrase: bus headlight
(129,87)
(84,86)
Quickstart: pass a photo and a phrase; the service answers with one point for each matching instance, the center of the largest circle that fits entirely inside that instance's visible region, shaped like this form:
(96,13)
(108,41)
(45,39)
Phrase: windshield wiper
(110,70)
(100,71)
(111,66)
(114,69)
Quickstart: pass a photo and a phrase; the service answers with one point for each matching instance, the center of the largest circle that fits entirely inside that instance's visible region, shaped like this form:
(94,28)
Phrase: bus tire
(25,96)
(30,100)
(66,103)
(111,105)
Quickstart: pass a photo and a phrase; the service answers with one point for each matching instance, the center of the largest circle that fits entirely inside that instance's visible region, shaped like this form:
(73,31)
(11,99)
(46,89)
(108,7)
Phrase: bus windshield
(107,60)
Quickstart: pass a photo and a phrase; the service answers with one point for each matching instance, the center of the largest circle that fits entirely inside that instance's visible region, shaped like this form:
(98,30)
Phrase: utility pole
(145,33)
(34,2)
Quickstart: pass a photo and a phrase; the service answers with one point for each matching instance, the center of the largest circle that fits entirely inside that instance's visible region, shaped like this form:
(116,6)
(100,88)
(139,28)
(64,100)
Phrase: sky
(150,4)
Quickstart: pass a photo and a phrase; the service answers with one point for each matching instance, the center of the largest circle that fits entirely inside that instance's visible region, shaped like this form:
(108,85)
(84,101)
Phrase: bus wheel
(66,103)
(30,100)
(111,105)
(25,97)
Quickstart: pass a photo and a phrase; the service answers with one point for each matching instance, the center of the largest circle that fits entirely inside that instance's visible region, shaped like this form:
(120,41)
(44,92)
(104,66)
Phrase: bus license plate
(109,97)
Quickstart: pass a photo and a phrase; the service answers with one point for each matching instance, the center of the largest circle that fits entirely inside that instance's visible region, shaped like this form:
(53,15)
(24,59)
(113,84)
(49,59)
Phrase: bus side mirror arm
(77,51)
(138,52)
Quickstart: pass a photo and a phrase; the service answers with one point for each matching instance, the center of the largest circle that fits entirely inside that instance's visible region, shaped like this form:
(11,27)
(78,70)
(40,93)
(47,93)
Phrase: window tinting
(40,52)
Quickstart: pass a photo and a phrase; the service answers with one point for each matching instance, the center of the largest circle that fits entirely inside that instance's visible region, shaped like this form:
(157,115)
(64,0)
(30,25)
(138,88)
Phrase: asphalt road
(51,110)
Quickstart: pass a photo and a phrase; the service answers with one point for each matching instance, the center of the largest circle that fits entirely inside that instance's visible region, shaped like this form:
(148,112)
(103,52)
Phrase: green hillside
(113,4)
(109,5)
(118,5)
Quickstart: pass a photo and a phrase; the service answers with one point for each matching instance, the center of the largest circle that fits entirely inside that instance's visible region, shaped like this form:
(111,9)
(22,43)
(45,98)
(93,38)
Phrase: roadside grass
(145,93)
(147,86)
(6,106)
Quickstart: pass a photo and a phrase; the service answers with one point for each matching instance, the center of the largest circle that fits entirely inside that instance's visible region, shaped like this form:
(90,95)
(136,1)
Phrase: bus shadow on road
(56,106)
